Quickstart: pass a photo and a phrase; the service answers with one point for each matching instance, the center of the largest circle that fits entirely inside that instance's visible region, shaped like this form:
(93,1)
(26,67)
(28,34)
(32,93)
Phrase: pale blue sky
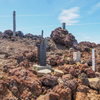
(81,16)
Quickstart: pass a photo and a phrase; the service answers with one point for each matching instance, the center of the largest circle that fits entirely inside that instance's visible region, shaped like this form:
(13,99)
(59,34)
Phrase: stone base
(43,72)
(38,67)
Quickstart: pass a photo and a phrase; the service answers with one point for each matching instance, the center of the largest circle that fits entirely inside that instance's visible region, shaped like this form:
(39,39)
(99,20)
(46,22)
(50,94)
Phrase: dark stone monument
(42,52)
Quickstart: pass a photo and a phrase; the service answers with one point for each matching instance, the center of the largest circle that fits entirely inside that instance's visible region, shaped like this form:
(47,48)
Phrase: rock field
(66,80)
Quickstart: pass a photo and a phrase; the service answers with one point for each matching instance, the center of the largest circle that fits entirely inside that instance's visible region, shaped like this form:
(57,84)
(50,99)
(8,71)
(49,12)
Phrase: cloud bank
(69,16)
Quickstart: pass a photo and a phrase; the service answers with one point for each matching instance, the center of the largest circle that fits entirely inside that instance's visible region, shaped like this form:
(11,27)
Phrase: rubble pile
(66,79)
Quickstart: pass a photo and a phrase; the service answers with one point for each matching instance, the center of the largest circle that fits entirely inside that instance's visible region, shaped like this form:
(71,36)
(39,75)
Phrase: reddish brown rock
(12,71)
(71,61)
(64,92)
(25,64)
(66,68)
(3,86)
(88,44)
(23,79)
(98,62)
(83,79)
(62,37)
(72,84)
(31,56)
(97,68)
(80,96)
(52,61)
(67,77)
(74,72)
(49,80)
(59,92)
(19,58)
(82,67)
(60,62)
(82,88)
(90,73)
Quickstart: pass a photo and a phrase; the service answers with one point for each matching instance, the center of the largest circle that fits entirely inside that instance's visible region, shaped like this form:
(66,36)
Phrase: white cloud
(87,37)
(94,8)
(69,16)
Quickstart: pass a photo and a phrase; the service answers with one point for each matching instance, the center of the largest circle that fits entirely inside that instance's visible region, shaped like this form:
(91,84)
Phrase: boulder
(90,73)
(82,88)
(80,96)
(60,62)
(21,79)
(58,73)
(83,79)
(19,34)
(74,72)
(63,37)
(59,92)
(66,68)
(49,80)
(82,67)
(67,77)
(94,83)
(72,84)
(63,92)
(77,48)
(9,33)
(25,64)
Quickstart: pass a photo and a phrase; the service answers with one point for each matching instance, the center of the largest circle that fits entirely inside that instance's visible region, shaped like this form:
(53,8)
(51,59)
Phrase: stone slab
(43,72)
(58,73)
(38,67)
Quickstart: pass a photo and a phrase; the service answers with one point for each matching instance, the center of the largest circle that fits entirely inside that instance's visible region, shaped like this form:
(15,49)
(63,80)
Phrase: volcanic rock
(58,73)
(94,83)
(66,68)
(63,37)
(19,34)
(80,96)
(90,73)
(59,92)
(72,84)
(88,44)
(83,79)
(49,80)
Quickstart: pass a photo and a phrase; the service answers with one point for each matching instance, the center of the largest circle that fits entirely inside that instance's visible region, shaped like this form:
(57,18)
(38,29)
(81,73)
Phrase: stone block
(38,67)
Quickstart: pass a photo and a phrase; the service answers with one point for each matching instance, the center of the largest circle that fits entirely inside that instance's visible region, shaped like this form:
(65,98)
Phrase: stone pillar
(77,56)
(14,23)
(93,59)
(63,25)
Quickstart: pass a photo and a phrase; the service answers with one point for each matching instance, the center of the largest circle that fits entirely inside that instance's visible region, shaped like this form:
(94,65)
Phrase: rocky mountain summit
(67,79)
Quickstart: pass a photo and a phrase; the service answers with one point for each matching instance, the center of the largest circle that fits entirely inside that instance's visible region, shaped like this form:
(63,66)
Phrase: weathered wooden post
(63,25)
(93,59)
(14,23)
